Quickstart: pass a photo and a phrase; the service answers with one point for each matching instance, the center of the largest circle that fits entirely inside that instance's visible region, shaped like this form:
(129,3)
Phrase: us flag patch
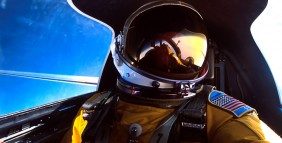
(229,103)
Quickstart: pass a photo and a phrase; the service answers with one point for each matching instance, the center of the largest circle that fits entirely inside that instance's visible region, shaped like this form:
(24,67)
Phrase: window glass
(267,33)
(48,52)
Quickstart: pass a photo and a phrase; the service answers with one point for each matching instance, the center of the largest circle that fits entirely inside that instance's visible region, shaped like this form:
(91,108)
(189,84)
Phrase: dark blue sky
(47,37)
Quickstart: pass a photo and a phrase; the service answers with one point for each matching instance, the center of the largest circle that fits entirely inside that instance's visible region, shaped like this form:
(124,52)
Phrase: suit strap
(161,134)
(188,122)
(95,112)
(192,119)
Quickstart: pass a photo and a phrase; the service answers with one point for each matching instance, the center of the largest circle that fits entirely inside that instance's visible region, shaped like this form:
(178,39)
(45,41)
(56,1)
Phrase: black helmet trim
(150,6)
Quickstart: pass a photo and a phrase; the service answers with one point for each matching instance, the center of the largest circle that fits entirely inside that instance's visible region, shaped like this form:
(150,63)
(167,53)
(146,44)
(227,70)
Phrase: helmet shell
(157,20)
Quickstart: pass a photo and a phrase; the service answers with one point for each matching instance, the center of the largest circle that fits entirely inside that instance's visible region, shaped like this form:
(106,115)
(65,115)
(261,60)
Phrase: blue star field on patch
(229,103)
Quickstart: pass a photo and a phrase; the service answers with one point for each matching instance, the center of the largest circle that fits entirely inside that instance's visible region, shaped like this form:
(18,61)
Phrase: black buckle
(95,105)
(193,125)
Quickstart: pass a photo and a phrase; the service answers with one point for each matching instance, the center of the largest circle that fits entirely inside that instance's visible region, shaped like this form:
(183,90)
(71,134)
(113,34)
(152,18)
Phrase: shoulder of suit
(228,103)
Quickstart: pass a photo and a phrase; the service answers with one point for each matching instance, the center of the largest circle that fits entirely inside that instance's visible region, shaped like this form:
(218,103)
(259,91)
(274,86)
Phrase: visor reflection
(192,46)
(173,52)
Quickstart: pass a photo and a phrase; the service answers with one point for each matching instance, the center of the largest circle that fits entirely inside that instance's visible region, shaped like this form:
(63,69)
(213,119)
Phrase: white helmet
(162,49)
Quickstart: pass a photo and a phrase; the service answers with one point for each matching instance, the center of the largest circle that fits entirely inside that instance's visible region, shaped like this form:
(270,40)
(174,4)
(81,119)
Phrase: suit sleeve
(73,135)
(231,121)
(246,129)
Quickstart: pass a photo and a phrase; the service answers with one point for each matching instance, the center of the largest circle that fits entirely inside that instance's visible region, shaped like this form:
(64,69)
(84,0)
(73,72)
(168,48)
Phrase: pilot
(161,56)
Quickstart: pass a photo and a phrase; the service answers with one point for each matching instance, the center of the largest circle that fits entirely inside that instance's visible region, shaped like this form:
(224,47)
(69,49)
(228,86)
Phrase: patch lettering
(229,103)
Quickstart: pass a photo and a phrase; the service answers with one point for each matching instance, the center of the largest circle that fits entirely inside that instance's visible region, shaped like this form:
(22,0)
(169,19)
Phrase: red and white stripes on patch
(228,103)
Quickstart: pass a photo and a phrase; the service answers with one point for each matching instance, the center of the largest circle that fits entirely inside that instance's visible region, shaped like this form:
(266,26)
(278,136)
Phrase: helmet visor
(174,52)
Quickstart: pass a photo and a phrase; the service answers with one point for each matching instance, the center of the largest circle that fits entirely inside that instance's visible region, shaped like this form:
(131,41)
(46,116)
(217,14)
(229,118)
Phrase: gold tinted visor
(174,52)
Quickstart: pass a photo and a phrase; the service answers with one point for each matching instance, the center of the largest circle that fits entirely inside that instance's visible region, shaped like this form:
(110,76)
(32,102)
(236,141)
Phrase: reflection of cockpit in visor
(174,52)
